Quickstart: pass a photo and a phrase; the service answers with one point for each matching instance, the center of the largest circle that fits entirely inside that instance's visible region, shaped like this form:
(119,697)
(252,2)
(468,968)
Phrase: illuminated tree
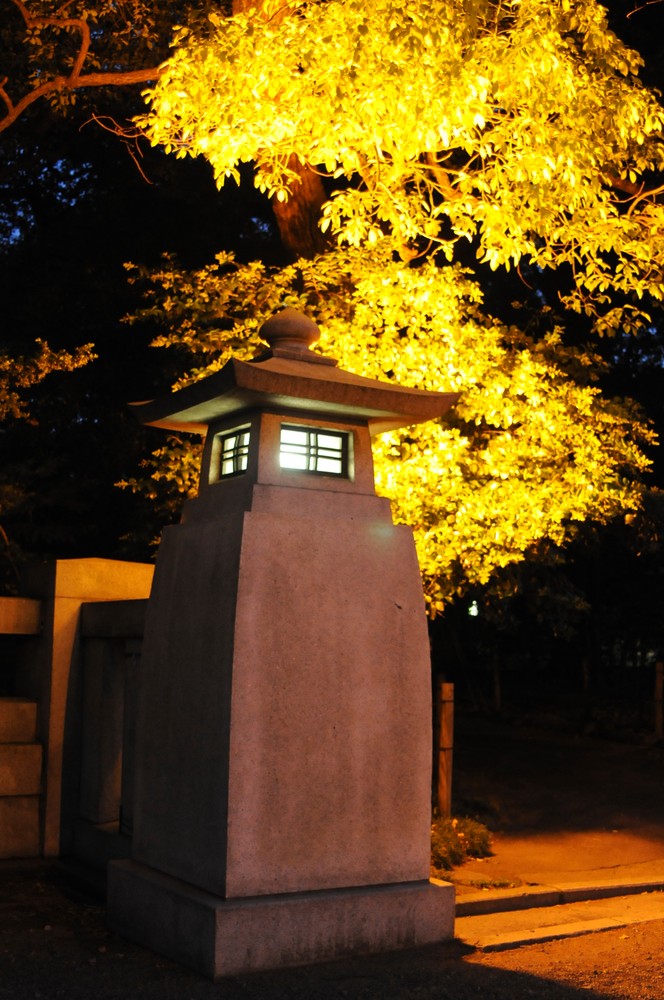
(518,128)
(529,453)
(519,125)
(18,377)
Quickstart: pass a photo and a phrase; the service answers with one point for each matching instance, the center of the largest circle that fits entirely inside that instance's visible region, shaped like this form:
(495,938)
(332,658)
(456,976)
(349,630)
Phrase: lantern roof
(291,378)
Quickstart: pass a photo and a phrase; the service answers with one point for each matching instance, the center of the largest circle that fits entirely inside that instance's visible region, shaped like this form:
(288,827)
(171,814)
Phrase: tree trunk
(297,219)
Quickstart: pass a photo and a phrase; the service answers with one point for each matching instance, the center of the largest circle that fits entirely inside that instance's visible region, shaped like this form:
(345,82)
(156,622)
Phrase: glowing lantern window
(233,452)
(318,451)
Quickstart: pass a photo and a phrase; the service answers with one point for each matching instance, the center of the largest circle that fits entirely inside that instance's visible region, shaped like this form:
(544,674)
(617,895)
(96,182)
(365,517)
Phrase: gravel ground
(54,946)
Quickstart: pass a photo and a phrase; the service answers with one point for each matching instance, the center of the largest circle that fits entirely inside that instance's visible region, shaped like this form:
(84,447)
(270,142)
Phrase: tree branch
(636,10)
(621,184)
(637,192)
(76,79)
(645,194)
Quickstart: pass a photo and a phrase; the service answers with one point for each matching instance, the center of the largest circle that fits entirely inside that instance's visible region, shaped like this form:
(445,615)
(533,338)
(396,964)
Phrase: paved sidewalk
(632,853)
(508,918)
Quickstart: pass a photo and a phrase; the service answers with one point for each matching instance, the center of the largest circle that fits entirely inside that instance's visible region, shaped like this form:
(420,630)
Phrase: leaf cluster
(454,841)
(19,374)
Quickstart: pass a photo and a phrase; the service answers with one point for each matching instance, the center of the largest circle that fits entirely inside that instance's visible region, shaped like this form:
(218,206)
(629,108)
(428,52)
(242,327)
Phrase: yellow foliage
(18,374)
(527,453)
(520,125)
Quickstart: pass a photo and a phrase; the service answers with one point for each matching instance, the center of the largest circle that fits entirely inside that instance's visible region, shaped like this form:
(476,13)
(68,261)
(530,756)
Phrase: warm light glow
(233,452)
(513,462)
(311,450)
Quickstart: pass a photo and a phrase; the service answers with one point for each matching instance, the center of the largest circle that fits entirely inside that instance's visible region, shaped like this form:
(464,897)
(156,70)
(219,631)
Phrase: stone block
(18,720)
(97,844)
(114,619)
(220,937)
(20,616)
(64,586)
(285,730)
(102,725)
(19,827)
(20,768)
(102,579)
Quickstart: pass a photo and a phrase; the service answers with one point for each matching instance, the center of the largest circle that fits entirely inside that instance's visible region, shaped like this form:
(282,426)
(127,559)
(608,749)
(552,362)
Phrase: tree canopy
(519,125)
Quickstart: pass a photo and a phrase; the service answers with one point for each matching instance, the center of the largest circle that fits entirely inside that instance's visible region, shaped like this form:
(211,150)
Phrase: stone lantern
(283,747)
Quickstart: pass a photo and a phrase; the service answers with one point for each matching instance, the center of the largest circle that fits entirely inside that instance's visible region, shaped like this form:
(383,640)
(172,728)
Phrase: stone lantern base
(282,814)
(220,937)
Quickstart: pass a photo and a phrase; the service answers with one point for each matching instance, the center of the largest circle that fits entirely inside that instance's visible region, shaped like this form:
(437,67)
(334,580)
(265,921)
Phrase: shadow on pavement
(54,945)
(536,789)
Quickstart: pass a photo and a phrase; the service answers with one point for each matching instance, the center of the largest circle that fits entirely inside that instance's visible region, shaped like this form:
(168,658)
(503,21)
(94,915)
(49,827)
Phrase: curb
(517,939)
(507,900)
(552,913)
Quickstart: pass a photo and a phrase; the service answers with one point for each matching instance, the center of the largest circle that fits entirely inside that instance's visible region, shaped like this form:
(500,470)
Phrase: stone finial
(290,334)
(291,330)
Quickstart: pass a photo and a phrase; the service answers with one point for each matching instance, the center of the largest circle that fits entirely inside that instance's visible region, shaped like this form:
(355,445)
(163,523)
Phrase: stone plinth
(20,616)
(284,736)
(227,937)
(50,676)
